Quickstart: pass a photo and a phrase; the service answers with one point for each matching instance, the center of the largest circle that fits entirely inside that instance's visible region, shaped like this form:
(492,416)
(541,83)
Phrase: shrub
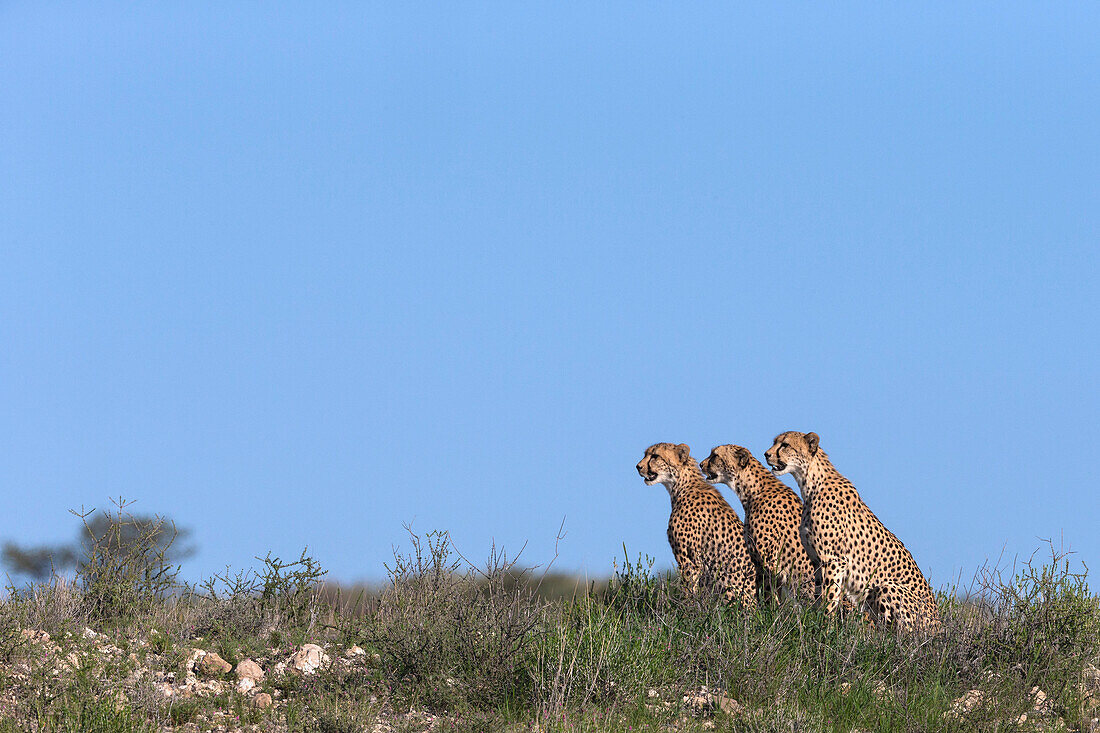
(126,569)
(459,633)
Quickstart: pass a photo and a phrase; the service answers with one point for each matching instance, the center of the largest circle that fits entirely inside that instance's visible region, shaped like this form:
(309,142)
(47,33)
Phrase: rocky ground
(210,693)
(442,648)
(196,689)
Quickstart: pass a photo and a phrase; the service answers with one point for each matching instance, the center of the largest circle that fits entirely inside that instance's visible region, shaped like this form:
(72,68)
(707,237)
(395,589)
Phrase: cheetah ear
(812,440)
(683,451)
(743,456)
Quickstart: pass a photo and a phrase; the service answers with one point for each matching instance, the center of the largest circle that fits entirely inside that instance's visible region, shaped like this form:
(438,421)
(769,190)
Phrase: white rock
(966,704)
(308,659)
(1039,700)
(192,659)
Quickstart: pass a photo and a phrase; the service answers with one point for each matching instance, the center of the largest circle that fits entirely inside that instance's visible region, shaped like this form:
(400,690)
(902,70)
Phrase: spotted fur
(706,535)
(773,513)
(858,557)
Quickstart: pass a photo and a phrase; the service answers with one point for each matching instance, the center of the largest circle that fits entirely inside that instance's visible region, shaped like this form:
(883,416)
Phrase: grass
(454,647)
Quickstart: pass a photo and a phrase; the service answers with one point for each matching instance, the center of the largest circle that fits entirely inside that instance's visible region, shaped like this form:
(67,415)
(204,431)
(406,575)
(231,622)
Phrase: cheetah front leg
(833,572)
(689,570)
(689,575)
(744,586)
(816,583)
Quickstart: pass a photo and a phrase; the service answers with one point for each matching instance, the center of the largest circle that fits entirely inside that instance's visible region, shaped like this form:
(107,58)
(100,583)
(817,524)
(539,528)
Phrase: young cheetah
(706,535)
(772,515)
(858,557)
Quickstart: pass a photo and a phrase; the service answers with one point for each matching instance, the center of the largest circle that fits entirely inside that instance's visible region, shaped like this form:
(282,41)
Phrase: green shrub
(126,569)
(461,635)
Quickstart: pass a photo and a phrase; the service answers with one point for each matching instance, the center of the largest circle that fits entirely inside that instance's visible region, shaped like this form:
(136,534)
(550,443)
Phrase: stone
(193,658)
(248,669)
(698,701)
(356,651)
(707,701)
(211,664)
(34,636)
(261,701)
(1038,700)
(729,706)
(967,703)
(307,660)
(164,689)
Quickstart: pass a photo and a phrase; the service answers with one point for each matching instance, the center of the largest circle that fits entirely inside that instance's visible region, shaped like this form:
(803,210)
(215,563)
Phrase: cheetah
(706,535)
(855,555)
(773,513)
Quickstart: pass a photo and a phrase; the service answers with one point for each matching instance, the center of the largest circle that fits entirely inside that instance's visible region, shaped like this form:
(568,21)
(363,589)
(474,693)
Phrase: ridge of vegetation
(452,645)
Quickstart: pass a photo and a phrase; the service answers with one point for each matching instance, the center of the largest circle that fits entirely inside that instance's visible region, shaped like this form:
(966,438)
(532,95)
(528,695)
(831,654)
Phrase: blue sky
(296,275)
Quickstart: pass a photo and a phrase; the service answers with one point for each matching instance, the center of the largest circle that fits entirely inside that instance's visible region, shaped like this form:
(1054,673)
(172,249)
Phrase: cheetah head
(724,465)
(792,452)
(663,462)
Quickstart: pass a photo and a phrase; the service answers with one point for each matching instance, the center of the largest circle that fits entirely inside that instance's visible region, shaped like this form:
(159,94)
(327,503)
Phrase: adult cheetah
(706,535)
(773,513)
(857,556)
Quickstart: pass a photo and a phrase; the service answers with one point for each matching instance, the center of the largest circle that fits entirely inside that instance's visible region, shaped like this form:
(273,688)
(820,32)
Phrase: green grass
(482,649)
(81,715)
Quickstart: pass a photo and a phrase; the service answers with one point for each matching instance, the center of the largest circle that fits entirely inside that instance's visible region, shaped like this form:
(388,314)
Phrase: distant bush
(116,532)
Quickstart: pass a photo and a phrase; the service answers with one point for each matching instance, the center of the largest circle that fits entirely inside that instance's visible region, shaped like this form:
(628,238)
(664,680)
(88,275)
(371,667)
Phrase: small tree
(124,536)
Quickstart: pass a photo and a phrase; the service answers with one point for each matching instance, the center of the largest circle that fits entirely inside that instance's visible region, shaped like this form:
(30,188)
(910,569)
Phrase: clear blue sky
(297,274)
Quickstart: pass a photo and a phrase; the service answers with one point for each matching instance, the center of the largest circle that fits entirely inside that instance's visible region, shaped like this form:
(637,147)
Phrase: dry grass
(482,647)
